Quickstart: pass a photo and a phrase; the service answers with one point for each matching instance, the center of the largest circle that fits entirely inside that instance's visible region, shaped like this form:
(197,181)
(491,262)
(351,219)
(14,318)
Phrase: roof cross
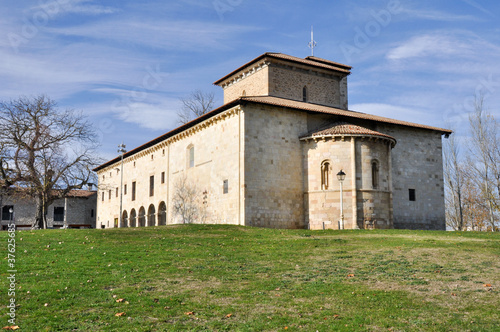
(312,44)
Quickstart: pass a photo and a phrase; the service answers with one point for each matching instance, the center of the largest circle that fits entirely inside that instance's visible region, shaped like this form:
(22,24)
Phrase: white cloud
(390,111)
(84,7)
(427,45)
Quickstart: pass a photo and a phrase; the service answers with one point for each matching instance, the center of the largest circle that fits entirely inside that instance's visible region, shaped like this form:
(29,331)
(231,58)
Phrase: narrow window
(152,157)
(103,177)
(124,189)
(102,196)
(244,93)
(225,187)
(58,213)
(162,177)
(109,194)
(133,191)
(375,182)
(191,157)
(163,152)
(304,93)
(411,193)
(116,191)
(92,213)
(151,185)
(110,174)
(325,175)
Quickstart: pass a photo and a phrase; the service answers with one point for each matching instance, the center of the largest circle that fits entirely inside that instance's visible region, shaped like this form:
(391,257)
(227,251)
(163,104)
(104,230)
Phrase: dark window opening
(109,194)
(375,174)
(225,187)
(58,213)
(92,213)
(304,93)
(411,193)
(6,213)
(116,192)
(124,189)
(133,191)
(151,185)
(325,175)
(162,177)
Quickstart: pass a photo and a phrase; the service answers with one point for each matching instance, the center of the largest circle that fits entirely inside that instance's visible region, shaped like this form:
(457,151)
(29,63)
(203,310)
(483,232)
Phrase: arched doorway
(142,217)
(151,215)
(124,219)
(132,218)
(162,214)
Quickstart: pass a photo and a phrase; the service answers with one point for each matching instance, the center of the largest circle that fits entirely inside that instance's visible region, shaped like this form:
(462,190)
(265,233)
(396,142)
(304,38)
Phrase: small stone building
(76,210)
(269,157)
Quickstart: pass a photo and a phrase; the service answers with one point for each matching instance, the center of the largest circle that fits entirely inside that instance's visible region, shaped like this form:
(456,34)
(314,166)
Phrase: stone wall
(288,82)
(255,84)
(80,211)
(273,167)
(417,164)
(218,150)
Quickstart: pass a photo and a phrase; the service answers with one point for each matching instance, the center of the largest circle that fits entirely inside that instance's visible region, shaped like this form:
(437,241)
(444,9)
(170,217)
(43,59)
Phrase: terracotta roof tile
(344,128)
(336,111)
(268,100)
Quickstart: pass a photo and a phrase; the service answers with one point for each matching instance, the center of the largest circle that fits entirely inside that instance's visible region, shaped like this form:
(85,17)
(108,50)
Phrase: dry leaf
(336,316)
(189,313)
(350,275)
(13,327)
(120,314)
(120,300)
(487,285)
(228,315)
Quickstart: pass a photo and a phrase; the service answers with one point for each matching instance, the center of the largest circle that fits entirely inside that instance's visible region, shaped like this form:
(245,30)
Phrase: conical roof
(346,129)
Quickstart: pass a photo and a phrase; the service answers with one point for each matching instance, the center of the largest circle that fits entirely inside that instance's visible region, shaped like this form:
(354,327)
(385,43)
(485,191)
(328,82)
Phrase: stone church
(272,156)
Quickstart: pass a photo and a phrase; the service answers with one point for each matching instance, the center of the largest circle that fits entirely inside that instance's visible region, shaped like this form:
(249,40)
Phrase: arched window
(151,215)
(325,175)
(375,175)
(190,156)
(304,93)
(132,218)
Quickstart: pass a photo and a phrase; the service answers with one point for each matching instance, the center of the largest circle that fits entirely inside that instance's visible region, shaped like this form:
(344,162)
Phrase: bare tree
(46,152)
(485,157)
(195,105)
(453,176)
(185,204)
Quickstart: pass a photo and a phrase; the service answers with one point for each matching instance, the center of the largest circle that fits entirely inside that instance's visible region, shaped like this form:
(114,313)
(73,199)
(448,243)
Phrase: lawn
(230,278)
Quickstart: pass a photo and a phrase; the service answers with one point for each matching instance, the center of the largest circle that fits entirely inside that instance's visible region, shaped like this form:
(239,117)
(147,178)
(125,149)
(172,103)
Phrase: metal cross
(312,44)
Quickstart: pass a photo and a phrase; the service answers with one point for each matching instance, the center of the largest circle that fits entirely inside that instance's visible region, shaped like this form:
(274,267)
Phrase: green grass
(248,279)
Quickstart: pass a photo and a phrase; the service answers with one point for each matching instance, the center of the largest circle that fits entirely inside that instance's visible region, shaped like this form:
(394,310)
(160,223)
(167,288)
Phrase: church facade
(270,156)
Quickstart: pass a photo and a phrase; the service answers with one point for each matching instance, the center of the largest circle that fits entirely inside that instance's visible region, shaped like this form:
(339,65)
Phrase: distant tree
(45,152)
(184,201)
(484,158)
(453,178)
(195,105)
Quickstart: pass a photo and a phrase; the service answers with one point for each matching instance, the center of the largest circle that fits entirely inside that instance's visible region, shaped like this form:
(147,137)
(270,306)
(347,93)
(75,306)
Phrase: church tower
(311,80)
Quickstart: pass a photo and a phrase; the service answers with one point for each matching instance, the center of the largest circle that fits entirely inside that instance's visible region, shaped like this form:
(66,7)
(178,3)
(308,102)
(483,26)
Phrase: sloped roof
(274,101)
(310,61)
(315,108)
(344,128)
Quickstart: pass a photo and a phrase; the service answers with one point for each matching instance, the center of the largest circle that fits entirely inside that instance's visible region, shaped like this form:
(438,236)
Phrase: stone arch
(325,174)
(151,215)
(133,220)
(162,213)
(141,221)
(124,219)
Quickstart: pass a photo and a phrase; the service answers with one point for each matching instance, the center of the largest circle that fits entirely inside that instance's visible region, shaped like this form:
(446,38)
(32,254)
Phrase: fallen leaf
(13,327)
(453,294)
(120,300)
(350,275)
(336,316)
(120,314)
(228,315)
(487,285)
(189,313)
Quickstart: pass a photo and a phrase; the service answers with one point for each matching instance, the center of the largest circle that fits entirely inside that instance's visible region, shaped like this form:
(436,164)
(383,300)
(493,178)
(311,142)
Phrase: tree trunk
(39,215)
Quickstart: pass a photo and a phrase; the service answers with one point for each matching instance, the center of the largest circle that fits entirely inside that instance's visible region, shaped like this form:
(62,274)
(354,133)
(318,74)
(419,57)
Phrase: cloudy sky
(126,63)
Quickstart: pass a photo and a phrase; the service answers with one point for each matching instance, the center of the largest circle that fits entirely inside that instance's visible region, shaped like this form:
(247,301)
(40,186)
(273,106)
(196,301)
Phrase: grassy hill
(229,278)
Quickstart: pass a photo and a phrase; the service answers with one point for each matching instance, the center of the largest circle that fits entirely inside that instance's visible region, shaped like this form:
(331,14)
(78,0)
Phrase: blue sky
(125,64)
